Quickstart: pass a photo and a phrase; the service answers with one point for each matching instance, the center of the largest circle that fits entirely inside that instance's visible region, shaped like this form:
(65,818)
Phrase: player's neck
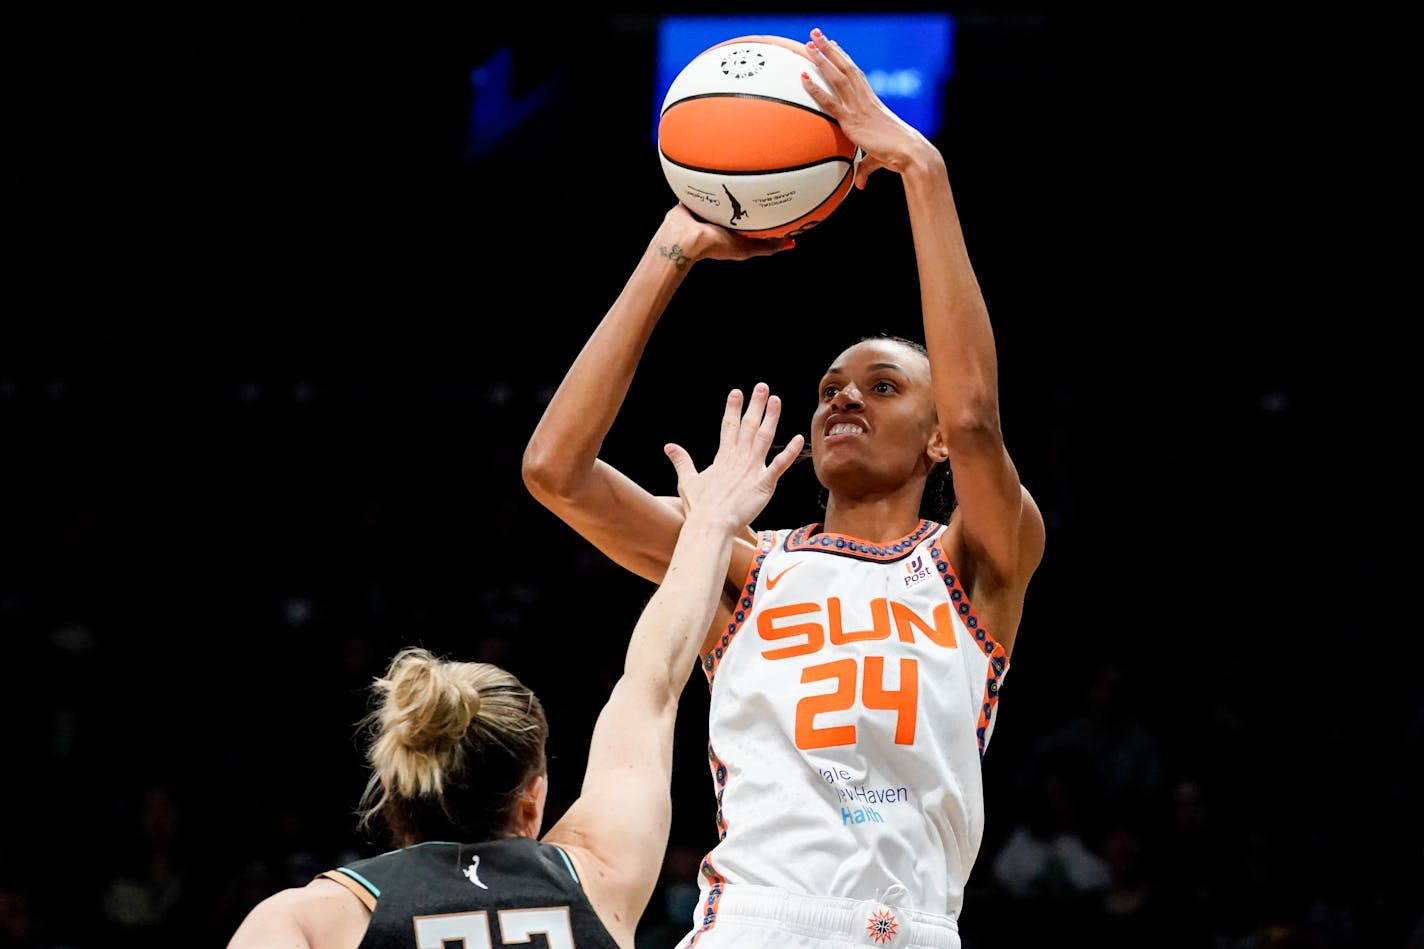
(877,520)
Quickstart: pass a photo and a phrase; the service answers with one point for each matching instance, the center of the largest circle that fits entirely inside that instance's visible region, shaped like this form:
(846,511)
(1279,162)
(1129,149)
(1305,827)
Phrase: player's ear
(937,451)
(531,805)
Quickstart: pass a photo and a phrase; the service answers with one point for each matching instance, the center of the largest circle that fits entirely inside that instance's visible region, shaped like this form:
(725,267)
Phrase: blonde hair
(451,746)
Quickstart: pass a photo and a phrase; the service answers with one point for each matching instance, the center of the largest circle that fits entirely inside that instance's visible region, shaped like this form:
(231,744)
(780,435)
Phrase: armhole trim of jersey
(364,890)
(568,863)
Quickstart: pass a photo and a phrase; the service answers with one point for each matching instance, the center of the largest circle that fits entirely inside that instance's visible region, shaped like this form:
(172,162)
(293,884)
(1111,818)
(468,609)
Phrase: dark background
(279,332)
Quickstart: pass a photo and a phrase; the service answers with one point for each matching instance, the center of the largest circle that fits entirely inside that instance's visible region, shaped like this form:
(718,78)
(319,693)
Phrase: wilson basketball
(745,146)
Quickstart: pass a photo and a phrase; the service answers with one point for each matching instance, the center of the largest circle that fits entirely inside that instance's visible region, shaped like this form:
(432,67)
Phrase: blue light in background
(908,57)
(495,112)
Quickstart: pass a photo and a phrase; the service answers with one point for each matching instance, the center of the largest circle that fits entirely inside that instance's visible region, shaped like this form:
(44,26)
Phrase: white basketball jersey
(852,697)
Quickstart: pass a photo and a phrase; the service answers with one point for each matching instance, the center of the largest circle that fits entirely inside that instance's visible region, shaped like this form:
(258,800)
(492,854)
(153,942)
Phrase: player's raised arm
(619,825)
(561,466)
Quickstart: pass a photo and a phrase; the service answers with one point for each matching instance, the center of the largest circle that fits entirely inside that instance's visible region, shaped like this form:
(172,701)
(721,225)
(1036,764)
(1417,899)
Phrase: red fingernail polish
(805,76)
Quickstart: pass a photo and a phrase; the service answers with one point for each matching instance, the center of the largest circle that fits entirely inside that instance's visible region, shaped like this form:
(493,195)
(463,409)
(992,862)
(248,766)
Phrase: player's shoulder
(321,913)
(317,890)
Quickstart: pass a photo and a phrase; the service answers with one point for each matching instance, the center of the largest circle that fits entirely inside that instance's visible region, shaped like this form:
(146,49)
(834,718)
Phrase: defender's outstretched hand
(739,482)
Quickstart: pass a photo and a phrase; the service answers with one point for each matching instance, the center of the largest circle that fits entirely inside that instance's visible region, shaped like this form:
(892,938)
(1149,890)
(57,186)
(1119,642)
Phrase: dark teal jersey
(514,892)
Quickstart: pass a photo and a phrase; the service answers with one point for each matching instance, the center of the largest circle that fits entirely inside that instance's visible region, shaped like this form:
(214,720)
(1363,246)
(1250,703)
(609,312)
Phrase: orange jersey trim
(355,886)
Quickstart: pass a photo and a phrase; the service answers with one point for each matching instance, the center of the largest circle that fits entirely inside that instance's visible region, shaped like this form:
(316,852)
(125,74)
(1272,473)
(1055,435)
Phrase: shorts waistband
(857,920)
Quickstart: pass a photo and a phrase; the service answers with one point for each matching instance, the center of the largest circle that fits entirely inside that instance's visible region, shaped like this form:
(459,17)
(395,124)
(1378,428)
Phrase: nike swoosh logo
(771,582)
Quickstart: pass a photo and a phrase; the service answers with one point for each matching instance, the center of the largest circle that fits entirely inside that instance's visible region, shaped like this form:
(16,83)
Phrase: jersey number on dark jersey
(515,927)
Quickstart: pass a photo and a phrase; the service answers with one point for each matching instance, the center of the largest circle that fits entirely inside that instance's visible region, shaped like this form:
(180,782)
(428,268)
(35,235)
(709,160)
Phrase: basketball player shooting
(855,663)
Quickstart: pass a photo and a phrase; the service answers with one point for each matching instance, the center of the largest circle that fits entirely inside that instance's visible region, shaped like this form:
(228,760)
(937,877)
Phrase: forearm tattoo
(674,253)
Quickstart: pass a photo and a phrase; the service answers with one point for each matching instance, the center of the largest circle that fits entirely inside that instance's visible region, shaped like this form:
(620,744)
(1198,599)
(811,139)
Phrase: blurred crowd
(1114,828)
(189,641)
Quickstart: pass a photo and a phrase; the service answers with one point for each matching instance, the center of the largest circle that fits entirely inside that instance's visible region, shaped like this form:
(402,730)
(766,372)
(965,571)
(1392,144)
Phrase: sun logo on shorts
(881,926)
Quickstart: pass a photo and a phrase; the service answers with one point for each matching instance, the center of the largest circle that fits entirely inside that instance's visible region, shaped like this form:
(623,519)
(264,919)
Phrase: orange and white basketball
(745,146)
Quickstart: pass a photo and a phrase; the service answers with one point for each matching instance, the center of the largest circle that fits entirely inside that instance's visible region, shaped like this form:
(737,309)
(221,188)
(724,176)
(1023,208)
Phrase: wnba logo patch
(880,927)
